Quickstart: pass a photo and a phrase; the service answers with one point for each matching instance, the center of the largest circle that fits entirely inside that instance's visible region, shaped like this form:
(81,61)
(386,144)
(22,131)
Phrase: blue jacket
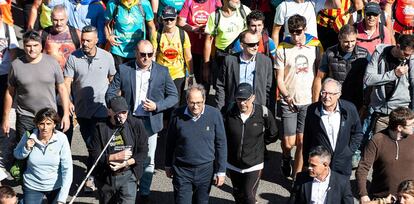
(161,90)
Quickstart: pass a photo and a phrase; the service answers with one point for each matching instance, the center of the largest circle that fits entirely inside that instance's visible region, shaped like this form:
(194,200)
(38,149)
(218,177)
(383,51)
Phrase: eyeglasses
(198,103)
(143,54)
(169,19)
(325,93)
(372,14)
(251,44)
(295,31)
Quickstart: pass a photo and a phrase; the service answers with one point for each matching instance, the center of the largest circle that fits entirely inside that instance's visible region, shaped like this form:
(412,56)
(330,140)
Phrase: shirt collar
(97,55)
(247,61)
(326,179)
(324,112)
(139,68)
(35,134)
(194,118)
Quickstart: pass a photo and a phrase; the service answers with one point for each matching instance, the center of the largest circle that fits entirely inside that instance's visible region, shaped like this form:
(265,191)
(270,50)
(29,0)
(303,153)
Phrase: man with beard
(88,72)
(246,67)
(390,154)
(223,27)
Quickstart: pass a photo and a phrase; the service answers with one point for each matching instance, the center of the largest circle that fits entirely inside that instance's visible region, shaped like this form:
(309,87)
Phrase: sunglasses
(252,44)
(169,19)
(143,54)
(295,31)
(371,14)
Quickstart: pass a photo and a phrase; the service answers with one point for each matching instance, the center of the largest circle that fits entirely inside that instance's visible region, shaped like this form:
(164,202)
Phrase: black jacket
(133,133)
(246,141)
(339,190)
(348,140)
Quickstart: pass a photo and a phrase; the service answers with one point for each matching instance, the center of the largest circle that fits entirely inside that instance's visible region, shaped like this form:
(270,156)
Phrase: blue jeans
(149,163)
(36,197)
(123,189)
(192,184)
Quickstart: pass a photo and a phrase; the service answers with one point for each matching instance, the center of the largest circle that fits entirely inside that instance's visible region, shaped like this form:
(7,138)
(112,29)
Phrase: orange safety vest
(404,16)
(333,18)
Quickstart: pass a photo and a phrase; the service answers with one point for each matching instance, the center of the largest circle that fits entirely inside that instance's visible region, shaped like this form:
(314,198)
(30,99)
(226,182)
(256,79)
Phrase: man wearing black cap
(248,128)
(121,165)
(196,149)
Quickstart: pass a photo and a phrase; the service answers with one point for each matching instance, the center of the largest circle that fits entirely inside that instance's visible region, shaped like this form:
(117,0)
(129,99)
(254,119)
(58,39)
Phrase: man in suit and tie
(333,123)
(148,90)
(245,67)
(321,185)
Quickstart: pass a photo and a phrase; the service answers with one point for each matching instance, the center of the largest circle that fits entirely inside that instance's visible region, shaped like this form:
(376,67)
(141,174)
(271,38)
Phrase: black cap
(372,7)
(244,91)
(169,12)
(118,104)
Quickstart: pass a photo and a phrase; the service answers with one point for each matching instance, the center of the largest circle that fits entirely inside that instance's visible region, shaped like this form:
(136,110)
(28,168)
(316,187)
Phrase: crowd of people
(332,79)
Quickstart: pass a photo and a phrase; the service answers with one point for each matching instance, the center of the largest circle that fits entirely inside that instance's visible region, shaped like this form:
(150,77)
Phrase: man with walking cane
(121,165)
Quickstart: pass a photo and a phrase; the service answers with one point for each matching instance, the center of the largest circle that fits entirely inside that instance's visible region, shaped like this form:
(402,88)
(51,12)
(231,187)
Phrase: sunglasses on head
(168,19)
(252,44)
(295,31)
(371,14)
(143,54)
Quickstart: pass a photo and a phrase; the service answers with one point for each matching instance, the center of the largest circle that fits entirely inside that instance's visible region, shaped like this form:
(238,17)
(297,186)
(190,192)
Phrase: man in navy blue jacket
(148,90)
(335,125)
(196,149)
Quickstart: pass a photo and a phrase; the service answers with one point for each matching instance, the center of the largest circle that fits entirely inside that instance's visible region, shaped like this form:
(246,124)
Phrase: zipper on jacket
(241,141)
(398,150)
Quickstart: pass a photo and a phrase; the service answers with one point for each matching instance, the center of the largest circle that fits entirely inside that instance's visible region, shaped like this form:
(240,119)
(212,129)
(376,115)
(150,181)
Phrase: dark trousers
(198,71)
(179,84)
(118,60)
(123,189)
(192,184)
(23,124)
(245,186)
(87,130)
(327,36)
(3,88)
(69,132)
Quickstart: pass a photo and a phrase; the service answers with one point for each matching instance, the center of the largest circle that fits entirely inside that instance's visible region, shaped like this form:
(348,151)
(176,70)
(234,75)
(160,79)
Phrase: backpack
(217,17)
(73,34)
(115,13)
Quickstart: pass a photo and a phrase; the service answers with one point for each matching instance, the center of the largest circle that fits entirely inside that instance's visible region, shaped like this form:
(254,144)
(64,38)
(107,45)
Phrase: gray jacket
(376,77)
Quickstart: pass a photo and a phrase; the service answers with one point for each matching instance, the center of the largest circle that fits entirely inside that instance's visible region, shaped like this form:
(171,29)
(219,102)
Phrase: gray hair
(60,7)
(321,152)
(196,87)
(337,83)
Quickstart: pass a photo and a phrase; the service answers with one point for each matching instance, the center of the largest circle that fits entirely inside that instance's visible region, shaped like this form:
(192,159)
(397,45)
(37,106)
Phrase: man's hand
(365,199)
(401,70)
(115,166)
(29,144)
(122,155)
(65,124)
(219,180)
(149,105)
(169,172)
(71,109)
(5,126)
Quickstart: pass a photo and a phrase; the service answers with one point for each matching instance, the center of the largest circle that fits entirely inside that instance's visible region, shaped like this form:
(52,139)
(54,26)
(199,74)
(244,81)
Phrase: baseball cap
(372,7)
(169,12)
(244,91)
(118,104)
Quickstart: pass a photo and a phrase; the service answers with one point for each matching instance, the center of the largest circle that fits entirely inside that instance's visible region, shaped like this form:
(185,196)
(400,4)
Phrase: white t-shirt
(5,61)
(308,9)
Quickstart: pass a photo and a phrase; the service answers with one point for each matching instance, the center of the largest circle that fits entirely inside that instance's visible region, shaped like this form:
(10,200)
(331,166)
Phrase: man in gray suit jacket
(246,67)
(148,90)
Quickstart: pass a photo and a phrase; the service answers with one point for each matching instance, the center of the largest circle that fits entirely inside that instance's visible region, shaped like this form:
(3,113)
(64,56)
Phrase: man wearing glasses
(296,64)
(250,67)
(196,149)
(334,124)
(148,90)
(390,154)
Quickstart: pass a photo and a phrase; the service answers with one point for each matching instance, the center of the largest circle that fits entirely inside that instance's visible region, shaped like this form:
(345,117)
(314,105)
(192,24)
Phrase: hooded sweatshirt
(392,161)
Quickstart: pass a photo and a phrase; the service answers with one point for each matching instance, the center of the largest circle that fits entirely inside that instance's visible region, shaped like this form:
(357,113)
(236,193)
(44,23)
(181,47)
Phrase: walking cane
(94,165)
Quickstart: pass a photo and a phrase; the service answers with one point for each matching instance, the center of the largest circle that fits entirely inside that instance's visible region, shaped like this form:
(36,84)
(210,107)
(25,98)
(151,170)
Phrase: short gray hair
(196,87)
(60,7)
(336,82)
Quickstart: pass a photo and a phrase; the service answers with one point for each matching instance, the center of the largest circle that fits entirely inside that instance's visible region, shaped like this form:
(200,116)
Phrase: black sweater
(246,141)
(197,142)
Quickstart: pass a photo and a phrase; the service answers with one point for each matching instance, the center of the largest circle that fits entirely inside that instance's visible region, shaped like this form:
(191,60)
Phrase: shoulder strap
(158,39)
(74,36)
(242,12)
(7,34)
(216,20)
(141,9)
(265,111)
(45,33)
(381,26)
(182,38)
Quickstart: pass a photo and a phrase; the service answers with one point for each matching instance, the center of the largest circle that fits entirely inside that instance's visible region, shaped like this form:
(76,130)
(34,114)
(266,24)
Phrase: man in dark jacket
(321,184)
(121,165)
(248,128)
(334,124)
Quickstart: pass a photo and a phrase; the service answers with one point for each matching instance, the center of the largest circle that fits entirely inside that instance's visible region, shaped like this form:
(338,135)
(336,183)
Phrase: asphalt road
(273,187)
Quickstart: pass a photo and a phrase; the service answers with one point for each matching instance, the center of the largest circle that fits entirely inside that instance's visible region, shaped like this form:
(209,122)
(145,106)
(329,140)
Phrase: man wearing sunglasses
(149,91)
(296,63)
(249,66)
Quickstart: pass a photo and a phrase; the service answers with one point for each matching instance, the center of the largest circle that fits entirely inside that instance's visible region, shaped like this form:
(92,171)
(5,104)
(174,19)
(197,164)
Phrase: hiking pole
(94,165)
